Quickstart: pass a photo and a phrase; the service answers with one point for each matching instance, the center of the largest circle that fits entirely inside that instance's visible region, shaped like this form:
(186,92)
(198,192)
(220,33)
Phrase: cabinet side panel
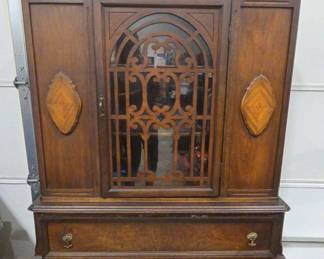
(61,64)
(261,52)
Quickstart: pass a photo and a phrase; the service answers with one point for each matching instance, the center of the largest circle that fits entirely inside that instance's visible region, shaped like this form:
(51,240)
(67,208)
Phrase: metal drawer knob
(101,106)
(67,240)
(252,237)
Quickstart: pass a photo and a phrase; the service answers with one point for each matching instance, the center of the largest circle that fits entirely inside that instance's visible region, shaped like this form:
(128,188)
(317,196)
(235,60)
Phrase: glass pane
(161,91)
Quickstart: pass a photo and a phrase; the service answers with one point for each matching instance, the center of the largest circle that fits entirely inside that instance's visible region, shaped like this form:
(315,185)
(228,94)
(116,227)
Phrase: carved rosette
(63,103)
(258,105)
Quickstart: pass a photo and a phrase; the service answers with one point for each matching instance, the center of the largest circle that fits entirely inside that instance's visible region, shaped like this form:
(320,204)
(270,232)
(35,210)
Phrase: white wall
(303,167)
(15,195)
(7,66)
(308,70)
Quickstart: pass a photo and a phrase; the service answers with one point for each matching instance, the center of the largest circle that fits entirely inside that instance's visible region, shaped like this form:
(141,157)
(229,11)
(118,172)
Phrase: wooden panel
(158,235)
(59,40)
(163,235)
(260,45)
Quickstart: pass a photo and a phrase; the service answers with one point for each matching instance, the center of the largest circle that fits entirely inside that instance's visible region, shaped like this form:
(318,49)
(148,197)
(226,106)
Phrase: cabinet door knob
(67,240)
(101,106)
(252,237)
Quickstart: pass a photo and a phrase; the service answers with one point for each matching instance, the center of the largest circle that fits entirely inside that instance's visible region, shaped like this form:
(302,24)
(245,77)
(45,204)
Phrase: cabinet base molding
(230,255)
(170,255)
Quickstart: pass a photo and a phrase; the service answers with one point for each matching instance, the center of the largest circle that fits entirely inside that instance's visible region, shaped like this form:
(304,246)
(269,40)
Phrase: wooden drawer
(140,235)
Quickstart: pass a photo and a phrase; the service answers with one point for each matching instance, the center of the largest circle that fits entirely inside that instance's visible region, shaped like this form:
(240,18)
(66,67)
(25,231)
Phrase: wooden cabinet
(160,126)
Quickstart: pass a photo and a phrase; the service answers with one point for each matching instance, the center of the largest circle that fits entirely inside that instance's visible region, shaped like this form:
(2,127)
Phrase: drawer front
(159,234)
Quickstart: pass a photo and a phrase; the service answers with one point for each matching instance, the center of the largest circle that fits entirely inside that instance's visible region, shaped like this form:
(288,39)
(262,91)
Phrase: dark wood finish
(152,207)
(202,235)
(111,25)
(234,56)
(265,31)
(131,234)
(61,42)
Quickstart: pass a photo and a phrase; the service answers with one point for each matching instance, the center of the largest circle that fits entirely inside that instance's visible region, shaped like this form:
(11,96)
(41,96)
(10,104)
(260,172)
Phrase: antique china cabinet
(160,126)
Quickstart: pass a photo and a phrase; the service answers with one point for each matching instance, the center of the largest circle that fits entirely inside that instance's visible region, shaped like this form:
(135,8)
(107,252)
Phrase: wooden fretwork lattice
(161,83)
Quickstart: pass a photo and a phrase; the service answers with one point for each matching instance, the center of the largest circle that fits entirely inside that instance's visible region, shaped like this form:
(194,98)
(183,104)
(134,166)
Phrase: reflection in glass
(161,91)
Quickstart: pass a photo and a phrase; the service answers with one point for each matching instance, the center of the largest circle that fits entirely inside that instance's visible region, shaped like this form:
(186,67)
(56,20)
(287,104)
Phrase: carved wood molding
(258,105)
(63,103)
(172,176)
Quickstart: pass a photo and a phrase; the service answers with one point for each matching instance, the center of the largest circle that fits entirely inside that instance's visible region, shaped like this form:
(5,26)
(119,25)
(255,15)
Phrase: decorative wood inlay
(63,103)
(258,105)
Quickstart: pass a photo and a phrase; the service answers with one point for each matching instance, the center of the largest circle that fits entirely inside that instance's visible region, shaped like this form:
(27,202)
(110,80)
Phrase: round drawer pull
(252,237)
(67,240)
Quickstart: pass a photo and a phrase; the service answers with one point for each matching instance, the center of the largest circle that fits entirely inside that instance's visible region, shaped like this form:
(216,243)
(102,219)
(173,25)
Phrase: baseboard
(4,83)
(302,183)
(13,180)
(307,88)
(303,240)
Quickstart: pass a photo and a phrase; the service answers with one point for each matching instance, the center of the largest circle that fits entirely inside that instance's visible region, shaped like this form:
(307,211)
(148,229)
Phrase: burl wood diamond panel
(63,103)
(258,105)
